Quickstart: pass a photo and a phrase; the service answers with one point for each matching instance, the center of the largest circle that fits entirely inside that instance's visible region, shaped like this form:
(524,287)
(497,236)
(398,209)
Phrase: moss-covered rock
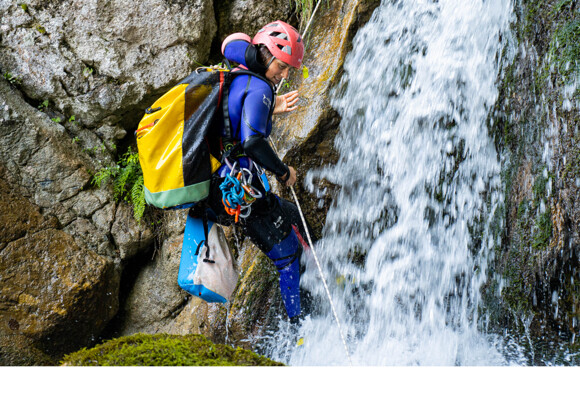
(535,126)
(165,350)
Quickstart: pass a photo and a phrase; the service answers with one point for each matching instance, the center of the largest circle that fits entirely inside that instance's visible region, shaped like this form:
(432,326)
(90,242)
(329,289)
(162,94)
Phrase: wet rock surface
(535,289)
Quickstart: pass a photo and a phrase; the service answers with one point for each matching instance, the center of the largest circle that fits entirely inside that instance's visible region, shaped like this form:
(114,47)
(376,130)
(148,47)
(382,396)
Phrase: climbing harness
(238,194)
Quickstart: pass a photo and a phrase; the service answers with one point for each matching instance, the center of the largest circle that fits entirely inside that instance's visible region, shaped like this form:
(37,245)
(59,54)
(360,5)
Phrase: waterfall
(407,240)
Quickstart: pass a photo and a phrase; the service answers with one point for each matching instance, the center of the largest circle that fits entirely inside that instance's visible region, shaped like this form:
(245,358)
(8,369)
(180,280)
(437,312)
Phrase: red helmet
(283,41)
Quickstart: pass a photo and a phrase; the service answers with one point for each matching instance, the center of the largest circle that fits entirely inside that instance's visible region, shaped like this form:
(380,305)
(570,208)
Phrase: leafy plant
(43,105)
(127,179)
(12,79)
(543,231)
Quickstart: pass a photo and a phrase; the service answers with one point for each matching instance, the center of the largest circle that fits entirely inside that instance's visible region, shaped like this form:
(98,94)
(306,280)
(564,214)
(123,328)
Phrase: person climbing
(273,224)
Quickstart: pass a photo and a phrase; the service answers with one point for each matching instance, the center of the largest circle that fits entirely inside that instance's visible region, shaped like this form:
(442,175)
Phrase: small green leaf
(305,71)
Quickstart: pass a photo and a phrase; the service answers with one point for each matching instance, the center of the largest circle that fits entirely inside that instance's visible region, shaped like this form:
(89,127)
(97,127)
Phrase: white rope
(317,264)
(304,219)
(310,21)
(321,274)
(303,35)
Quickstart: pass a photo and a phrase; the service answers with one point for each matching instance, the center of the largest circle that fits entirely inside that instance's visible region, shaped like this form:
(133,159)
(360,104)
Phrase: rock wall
(97,59)
(59,270)
(77,75)
(536,289)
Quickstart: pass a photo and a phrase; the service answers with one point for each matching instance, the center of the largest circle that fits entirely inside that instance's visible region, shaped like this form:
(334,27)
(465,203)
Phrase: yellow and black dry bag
(178,140)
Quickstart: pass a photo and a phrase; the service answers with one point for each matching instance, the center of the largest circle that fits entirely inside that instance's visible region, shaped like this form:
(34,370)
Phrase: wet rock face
(53,292)
(155,297)
(305,137)
(248,16)
(95,59)
(536,130)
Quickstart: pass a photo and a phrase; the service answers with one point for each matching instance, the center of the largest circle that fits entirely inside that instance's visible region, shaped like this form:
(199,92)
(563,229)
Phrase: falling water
(406,241)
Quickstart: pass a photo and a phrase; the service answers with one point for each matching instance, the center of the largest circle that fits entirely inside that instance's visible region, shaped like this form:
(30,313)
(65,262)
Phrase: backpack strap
(229,148)
(205,232)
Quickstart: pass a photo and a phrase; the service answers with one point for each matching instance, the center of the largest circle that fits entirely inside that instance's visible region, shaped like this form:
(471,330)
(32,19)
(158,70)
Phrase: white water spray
(406,240)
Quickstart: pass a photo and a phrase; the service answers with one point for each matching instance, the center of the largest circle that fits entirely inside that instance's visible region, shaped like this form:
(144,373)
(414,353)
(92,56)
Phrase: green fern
(127,180)
(138,198)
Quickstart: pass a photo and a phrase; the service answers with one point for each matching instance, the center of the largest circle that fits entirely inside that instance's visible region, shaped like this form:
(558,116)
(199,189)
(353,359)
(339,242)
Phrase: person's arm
(254,129)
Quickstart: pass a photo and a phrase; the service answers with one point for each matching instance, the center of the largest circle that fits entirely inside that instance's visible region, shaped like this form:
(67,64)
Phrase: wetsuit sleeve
(255,127)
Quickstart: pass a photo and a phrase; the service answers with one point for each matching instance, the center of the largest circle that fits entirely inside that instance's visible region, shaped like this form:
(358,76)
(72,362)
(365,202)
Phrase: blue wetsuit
(250,105)
(274,222)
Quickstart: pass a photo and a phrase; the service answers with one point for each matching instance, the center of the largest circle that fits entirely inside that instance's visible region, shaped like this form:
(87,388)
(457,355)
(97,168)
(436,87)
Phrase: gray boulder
(96,59)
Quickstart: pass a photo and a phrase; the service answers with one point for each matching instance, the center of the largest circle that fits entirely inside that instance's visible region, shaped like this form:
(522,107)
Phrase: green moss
(516,298)
(165,350)
(264,279)
(539,188)
(558,27)
(543,230)
(522,209)
(527,270)
(565,49)
(572,168)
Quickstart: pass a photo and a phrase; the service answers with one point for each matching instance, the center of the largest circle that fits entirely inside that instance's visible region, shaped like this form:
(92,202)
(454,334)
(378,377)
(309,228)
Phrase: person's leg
(270,228)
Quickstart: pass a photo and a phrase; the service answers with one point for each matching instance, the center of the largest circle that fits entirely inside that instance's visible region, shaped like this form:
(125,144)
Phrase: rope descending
(304,220)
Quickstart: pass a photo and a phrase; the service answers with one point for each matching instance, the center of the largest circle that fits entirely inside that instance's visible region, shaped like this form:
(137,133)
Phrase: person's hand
(286,102)
(292,178)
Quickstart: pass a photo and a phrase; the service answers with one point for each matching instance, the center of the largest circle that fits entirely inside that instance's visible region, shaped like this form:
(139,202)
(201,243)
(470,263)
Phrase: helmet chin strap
(270,62)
